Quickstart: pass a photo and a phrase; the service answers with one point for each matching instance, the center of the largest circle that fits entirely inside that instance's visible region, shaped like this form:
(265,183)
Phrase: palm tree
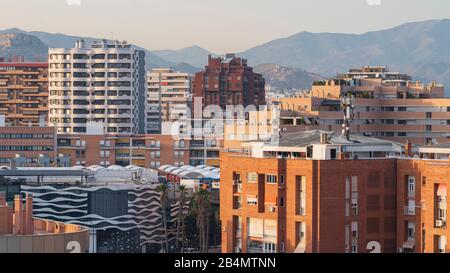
(163,189)
(180,223)
(202,208)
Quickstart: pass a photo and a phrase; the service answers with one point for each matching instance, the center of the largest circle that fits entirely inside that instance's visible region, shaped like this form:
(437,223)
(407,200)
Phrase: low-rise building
(21,232)
(120,205)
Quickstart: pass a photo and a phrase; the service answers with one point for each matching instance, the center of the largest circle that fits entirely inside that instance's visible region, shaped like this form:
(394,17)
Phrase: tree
(201,205)
(163,189)
(182,191)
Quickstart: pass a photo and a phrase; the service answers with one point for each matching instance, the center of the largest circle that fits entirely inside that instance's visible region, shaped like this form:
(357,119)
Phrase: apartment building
(385,104)
(169,100)
(37,146)
(149,151)
(229,81)
(205,151)
(422,201)
(102,83)
(24,93)
(28,146)
(298,195)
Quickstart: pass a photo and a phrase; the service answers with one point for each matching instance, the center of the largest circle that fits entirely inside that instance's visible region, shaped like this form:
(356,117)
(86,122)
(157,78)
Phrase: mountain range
(420,49)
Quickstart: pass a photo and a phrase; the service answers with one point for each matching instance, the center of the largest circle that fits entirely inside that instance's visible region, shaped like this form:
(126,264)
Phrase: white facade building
(104,83)
(168,100)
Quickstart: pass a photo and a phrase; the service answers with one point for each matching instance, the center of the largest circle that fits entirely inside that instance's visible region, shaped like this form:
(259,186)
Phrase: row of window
(26,148)
(25,136)
(78,56)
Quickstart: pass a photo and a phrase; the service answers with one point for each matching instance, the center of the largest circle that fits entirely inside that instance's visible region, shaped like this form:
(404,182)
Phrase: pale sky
(217,25)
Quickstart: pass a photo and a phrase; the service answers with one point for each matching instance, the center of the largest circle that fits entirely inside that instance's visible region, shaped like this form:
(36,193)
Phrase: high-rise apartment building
(168,100)
(103,83)
(24,93)
(229,81)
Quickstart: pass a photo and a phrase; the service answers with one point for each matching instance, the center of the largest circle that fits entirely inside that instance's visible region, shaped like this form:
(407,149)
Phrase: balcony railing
(409,210)
(440,223)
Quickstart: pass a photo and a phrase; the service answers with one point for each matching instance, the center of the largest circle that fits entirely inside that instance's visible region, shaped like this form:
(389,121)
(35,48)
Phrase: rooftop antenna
(347,107)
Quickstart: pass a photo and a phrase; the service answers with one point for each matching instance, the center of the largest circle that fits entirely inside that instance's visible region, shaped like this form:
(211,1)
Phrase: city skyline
(268,20)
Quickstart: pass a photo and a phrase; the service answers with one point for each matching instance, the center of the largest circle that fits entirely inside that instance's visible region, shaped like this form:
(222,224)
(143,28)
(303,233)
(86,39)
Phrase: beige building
(386,104)
(168,100)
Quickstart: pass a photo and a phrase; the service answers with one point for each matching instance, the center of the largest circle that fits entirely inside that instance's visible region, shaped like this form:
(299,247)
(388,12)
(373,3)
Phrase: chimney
(18,216)
(29,224)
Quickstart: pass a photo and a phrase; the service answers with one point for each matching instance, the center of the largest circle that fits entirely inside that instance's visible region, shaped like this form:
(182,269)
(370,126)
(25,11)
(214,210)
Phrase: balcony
(123,145)
(301,211)
(255,250)
(409,210)
(440,224)
(238,233)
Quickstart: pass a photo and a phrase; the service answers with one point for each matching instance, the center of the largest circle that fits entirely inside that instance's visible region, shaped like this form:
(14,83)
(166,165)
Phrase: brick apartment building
(151,151)
(24,93)
(301,196)
(35,146)
(229,81)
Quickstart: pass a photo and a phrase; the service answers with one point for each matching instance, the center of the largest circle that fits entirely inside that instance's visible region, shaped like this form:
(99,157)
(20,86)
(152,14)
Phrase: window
(252,177)
(411,230)
(252,201)
(354,229)
(355,206)
(411,184)
(271,179)
(300,232)
(300,186)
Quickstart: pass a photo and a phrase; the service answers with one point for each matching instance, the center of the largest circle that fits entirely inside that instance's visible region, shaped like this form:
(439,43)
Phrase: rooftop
(306,138)
(191,172)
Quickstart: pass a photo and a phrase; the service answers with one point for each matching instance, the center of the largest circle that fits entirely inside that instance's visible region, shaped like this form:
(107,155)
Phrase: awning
(409,244)
(442,190)
(300,248)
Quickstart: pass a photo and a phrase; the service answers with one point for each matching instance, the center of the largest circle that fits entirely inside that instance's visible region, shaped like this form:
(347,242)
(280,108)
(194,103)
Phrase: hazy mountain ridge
(286,78)
(418,48)
(58,40)
(18,44)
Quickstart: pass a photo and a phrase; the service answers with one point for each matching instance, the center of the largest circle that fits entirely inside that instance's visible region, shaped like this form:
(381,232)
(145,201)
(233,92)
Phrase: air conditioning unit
(224,229)
(237,250)
(272,209)
(440,223)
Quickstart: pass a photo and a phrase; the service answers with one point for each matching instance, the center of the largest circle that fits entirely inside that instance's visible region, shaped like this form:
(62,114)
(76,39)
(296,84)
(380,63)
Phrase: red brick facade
(229,81)
(349,204)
